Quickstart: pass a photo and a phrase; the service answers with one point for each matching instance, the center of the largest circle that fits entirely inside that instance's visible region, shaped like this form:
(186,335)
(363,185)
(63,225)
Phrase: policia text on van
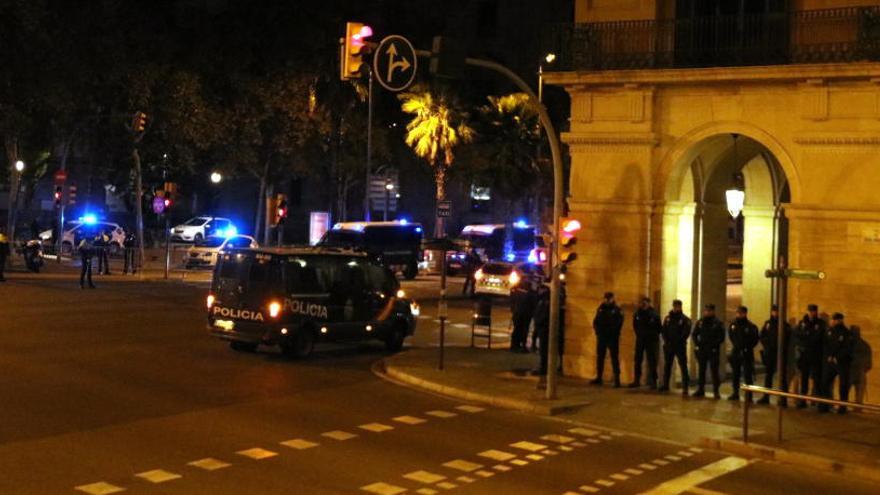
(294,297)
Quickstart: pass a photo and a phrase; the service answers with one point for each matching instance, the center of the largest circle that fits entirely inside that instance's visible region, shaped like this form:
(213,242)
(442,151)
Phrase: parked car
(197,229)
(497,278)
(205,253)
(75,231)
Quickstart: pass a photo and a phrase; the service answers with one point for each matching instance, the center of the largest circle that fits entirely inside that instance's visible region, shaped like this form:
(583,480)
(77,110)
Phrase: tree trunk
(258,216)
(12,157)
(268,203)
(440,183)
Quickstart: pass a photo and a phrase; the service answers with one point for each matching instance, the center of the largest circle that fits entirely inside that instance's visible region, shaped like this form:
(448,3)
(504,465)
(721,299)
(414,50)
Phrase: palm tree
(434,132)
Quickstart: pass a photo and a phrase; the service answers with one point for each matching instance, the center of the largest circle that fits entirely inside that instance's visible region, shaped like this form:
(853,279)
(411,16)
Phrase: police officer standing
(647,326)
(471,263)
(542,326)
(808,341)
(129,244)
(86,251)
(708,338)
(607,324)
(522,308)
(4,253)
(102,243)
(769,352)
(743,335)
(837,354)
(676,330)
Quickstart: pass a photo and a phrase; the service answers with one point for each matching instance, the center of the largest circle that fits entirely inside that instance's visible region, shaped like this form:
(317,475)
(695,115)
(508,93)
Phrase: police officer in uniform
(769,352)
(647,326)
(522,308)
(708,337)
(743,335)
(4,253)
(837,354)
(542,325)
(471,264)
(676,330)
(129,244)
(102,245)
(86,251)
(808,342)
(607,324)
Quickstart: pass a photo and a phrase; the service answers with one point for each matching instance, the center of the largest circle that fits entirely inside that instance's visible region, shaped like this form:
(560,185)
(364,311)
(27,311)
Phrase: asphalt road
(120,390)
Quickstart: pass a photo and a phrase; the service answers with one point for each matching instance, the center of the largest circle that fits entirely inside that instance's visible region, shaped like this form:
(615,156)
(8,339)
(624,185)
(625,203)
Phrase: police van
(295,297)
(396,244)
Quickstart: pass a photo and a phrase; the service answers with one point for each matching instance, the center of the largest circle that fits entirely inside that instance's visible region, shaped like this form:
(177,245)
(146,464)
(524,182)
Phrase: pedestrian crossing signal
(139,122)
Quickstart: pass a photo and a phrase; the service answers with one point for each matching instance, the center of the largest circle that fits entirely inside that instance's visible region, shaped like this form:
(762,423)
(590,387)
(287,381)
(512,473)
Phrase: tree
(436,129)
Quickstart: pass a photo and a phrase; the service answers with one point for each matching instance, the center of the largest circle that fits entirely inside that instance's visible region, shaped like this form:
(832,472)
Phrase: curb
(793,458)
(470,396)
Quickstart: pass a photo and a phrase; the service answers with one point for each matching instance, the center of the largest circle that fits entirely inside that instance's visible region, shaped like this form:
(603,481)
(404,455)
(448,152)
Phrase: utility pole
(138,128)
(367,182)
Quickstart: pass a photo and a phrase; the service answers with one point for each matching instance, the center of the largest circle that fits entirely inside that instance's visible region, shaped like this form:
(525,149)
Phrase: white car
(197,229)
(498,278)
(205,253)
(76,230)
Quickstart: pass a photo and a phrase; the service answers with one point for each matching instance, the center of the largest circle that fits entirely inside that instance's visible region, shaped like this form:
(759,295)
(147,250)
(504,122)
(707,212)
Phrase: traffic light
(139,122)
(351,49)
(71,195)
(278,209)
(568,229)
(58,193)
(168,203)
(281,208)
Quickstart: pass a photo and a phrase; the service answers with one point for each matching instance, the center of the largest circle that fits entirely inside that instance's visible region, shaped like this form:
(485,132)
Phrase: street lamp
(548,59)
(216,177)
(735,200)
(19,166)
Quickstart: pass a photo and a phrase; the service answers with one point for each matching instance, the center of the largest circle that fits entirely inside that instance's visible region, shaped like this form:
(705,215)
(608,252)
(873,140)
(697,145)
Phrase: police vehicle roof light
(533,256)
(419,230)
(510,256)
(520,224)
(89,219)
(402,221)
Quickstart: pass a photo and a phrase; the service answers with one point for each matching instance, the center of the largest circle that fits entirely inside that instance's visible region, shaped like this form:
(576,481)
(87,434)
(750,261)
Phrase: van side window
(380,280)
(305,277)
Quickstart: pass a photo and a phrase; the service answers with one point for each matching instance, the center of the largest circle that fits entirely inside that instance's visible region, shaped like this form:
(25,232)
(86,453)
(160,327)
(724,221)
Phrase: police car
(295,297)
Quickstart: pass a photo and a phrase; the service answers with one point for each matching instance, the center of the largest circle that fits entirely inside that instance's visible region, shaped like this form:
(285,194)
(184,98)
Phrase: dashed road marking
(660,462)
(578,444)
(619,477)
(585,432)
(571,493)
(606,437)
(497,455)
(520,462)
(535,457)
(209,464)
(463,465)
(257,453)
(672,457)
(557,438)
(339,435)
(549,452)
(441,414)
(99,488)
(605,483)
(383,489)
(158,476)
(592,440)
(501,468)
(465,479)
(634,472)
(299,444)
(588,489)
(424,477)
(696,450)
(648,467)
(699,476)
(617,434)
(529,446)
(565,448)
(447,485)
(409,420)
(470,409)
(482,473)
(426,491)
(376,427)
(684,453)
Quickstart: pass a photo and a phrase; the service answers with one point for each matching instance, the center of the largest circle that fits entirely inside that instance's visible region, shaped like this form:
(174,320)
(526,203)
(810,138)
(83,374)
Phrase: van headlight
(210,300)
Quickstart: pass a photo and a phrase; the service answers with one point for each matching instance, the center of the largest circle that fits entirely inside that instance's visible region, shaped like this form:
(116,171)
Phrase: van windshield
(345,238)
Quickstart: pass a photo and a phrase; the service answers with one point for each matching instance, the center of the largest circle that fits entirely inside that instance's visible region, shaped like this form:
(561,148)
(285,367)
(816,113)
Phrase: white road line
(376,427)
(470,409)
(426,491)
(584,432)
(424,477)
(299,444)
(696,450)
(441,414)
(529,446)
(699,476)
(339,435)
(520,462)
(497,455)
(605,437)
(465,479)
(684,453)
(588,489)
(549,452)
(557,438)
(592,440)
(383,489)
(501,468)
(578,444)
(158,476)
(460,325)
(209,464)
(605,483)
(463,465)
(704,491)
(409,420)
(482,473)
(648,467)
(634,472)
(447,485)
(673,458)
(619,477)
(99,488)
(660,462)
(565,448)
(257,453)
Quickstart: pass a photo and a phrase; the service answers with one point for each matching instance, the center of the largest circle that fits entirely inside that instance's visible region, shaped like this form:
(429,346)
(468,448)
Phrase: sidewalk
(843,444)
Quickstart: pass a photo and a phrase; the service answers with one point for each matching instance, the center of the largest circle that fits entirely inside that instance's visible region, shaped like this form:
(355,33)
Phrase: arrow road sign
(395,63)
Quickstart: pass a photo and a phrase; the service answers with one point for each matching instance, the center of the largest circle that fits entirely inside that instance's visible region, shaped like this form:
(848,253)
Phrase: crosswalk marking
(695,450)
(605,483)
(699,476)
(660,462)
(592,440)
(619,477)
(484,474)
(535,457)
(557,438)
(470,409)
(383,489)
(209,464)
(424,477)
(441,414)
(99,488)
(648,467)
(585,432)
(299,444)
(463,465)
(529,446)
(257,453)
(158,476)
(565,448)
(409,420)
(465,479)
(447,485)
(578,444)
(519,462)
(605,437)
(338,435)
(426,491)
(684,453)
(549,452)
(497,455)
(588,489)
(672,457)
(634,472)
(501,468)
(376,427)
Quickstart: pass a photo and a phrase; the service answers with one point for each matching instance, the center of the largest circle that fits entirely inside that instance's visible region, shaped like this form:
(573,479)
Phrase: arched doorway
(710,256)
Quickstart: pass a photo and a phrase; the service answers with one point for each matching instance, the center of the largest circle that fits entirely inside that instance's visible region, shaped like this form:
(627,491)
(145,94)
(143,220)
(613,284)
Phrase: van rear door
(245,281)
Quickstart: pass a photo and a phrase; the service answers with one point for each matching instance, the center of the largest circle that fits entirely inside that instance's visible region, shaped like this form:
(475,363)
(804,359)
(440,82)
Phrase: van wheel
(394,339)
(411,271)
(243,346)
(300,346)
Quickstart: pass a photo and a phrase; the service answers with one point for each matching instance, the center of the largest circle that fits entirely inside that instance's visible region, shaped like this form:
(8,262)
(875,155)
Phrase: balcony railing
(802,37)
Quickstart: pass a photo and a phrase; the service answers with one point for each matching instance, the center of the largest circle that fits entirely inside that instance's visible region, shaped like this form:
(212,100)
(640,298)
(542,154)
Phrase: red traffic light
(359,35)
(571,225)
(167,202)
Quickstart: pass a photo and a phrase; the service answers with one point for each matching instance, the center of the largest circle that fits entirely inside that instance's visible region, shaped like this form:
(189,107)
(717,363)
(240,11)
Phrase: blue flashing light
(520,224)
(229,232)
(510,256)
(337,226)
(419,230)
(533,256)
(89,219)
(359,227)
(403,221)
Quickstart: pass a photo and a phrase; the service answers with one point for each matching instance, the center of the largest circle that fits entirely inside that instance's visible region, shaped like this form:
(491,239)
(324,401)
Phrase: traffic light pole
(369,162)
